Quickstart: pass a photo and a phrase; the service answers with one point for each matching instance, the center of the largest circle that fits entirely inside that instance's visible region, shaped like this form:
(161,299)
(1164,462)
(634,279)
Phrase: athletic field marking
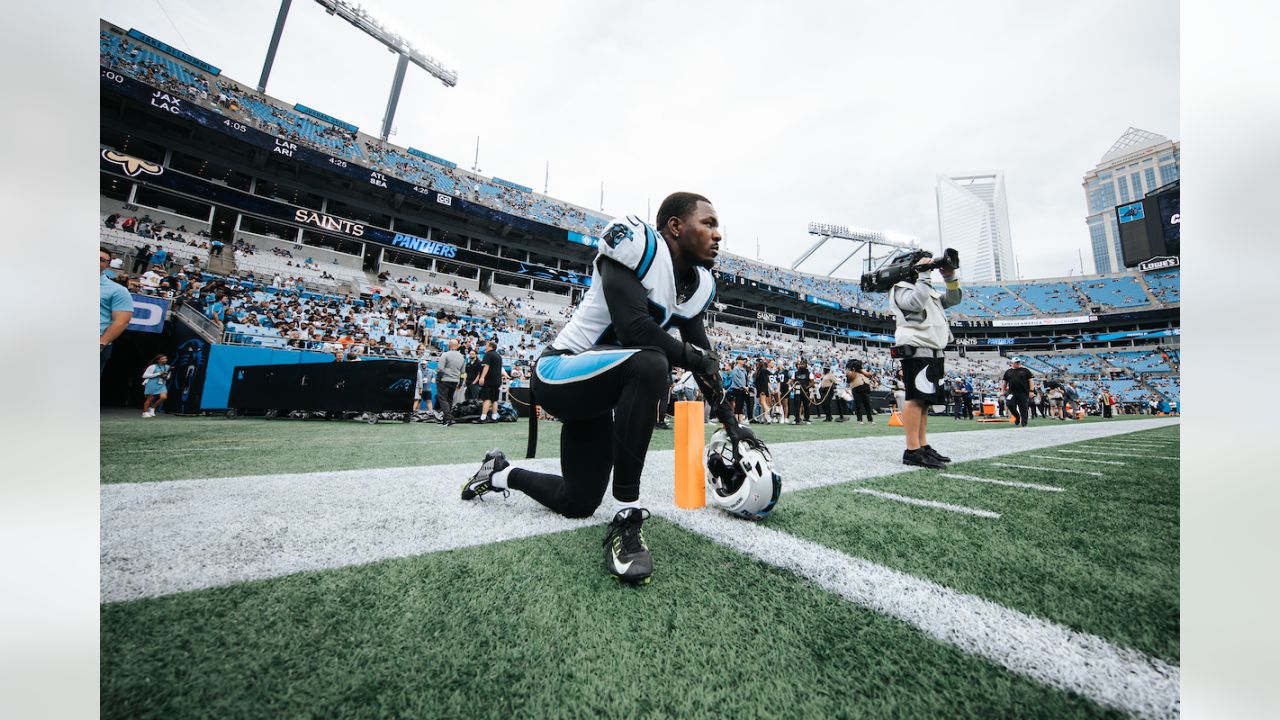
(120,451)
(1049,469)
(1088,460)
(1005,483)
(1110,675)
(1139,456)
(928,503)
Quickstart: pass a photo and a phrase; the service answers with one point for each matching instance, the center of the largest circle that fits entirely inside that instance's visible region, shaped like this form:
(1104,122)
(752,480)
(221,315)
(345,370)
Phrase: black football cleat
(478,484)
(626,556)
(936,455)
(920,458)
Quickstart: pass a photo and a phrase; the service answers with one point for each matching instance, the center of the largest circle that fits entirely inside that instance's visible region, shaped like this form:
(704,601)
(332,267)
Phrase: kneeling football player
(603,374)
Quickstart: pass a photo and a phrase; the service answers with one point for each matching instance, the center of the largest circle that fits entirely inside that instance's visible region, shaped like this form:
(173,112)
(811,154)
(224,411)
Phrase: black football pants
(606,400)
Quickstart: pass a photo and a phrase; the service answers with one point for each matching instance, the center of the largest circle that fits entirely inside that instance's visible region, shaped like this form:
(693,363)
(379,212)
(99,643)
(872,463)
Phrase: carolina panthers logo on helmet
(616,233)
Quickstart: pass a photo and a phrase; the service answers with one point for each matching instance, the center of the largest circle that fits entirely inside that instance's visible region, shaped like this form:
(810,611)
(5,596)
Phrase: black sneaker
(936,455)
(663,425)
(920,458)
(842,419)
(626,556)
(478,485)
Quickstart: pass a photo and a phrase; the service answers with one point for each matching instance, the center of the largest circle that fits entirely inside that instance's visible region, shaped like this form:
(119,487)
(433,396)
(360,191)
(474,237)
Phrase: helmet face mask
(741,481)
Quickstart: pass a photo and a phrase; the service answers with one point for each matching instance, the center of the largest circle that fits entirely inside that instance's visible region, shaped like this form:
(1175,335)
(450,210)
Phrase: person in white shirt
(150,281)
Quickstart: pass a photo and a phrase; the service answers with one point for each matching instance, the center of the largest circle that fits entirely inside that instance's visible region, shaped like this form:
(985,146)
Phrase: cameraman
(920,336)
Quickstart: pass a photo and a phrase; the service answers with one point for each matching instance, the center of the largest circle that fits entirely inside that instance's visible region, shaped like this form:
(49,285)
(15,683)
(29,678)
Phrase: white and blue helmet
(742,483)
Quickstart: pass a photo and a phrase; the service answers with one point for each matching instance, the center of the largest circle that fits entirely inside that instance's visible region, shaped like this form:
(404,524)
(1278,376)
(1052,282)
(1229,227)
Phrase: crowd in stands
(155,69)
(980,300)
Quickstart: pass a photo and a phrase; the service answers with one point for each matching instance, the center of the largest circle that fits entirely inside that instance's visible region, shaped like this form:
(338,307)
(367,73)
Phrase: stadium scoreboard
(1151,227)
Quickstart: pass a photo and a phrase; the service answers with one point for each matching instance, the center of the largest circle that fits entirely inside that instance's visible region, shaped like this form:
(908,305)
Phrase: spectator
(115,309)
(473,375)
(141,259)
(155,385)
(490,380)
(739,394)
(451,367)
(150,280)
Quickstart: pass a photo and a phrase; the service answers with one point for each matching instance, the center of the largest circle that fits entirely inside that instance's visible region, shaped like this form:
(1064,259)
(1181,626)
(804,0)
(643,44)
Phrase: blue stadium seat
(1115,292)
(1052,298)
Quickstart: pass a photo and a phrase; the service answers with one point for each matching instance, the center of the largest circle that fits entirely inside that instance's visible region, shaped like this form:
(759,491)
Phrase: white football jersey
(635,244)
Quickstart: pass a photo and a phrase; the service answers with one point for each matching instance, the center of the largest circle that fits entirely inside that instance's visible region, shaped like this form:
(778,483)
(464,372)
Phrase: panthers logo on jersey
(616,233)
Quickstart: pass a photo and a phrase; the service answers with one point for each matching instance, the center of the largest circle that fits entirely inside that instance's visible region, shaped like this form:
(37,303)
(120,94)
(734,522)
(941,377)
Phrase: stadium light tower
(360,17)
(863,238)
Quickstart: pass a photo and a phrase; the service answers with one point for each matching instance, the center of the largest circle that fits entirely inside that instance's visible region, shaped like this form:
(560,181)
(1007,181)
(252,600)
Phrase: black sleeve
(695,333)
(629,310)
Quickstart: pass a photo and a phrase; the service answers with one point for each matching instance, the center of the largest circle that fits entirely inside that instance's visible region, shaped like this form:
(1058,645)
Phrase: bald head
(453,343)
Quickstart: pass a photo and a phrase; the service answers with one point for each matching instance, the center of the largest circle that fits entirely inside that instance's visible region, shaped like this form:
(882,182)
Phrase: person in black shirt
(760,381)
(1018,384)
(490,381)
(142,258)
(473,375)
(801,380)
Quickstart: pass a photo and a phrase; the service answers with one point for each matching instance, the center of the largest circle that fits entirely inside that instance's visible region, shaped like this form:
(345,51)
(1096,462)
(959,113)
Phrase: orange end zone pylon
(691,492)
(895,420)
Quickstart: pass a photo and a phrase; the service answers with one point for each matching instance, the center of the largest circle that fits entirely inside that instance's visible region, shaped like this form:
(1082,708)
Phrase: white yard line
(1073,471)
(1088,460)
(1138,456)
(928,503)
(1004,483)
(1112,676)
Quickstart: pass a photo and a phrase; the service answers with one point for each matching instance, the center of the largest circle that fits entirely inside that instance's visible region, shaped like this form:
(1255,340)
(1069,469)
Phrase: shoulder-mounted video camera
(903,267)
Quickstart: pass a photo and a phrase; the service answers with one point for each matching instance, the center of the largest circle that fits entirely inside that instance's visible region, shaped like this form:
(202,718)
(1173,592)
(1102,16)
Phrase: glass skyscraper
(1137,163)
(973,217)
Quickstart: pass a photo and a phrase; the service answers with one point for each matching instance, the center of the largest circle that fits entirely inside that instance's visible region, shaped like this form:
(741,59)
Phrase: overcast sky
(781,113)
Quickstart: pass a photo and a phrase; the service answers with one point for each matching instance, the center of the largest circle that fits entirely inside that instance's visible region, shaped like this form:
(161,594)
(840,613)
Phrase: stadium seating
(969,307)
(1138,361)
(1049,298)
(1169,386)
(1164,285)
(1114,292)
(999,299)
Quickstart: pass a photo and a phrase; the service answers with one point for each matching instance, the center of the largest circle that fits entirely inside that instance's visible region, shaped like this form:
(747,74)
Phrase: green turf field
(533,627)
(172,448)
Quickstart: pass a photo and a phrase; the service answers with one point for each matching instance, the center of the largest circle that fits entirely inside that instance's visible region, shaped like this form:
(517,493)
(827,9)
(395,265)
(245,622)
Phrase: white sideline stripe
(153,450)
(1049,469)
(1088,460)
(1112,676)
(928,503)
(1005,483)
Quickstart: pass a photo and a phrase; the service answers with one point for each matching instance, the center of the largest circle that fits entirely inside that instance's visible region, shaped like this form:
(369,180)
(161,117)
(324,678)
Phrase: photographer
(920,336)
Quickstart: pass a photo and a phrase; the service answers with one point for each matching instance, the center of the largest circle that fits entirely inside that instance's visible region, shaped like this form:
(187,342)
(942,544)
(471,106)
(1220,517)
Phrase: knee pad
(651,368)
(579,509)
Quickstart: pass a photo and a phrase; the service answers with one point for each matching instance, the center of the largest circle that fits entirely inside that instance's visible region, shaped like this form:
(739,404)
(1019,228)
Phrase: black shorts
(489,392)
(922,375)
